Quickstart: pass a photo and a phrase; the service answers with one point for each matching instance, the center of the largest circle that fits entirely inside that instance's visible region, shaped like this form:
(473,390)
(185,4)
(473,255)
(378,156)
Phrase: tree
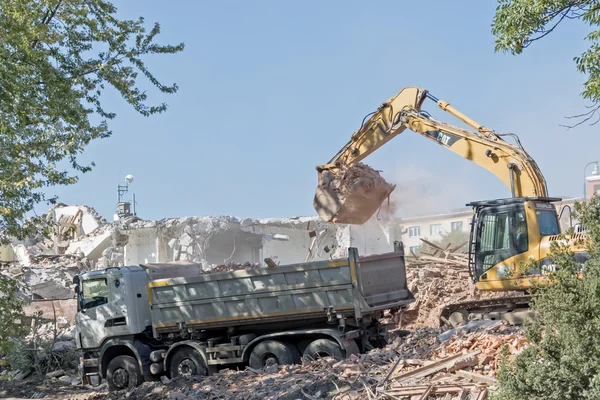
(519,23)
(57,58)
(563,359)
(11,311)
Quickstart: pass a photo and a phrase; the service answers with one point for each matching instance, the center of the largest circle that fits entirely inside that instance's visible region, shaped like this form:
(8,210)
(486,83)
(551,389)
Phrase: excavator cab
(506,232)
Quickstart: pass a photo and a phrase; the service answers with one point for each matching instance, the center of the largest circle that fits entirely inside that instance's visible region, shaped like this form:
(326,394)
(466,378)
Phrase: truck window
(95,293)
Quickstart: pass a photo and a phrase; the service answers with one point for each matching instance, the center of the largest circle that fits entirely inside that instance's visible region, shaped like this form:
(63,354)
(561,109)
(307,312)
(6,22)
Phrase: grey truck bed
(350,287)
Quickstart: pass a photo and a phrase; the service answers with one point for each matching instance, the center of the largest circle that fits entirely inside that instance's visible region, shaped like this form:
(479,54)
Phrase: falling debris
(350,195)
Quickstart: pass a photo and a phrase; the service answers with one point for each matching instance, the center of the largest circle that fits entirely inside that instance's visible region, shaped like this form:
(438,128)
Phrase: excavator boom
(356,201)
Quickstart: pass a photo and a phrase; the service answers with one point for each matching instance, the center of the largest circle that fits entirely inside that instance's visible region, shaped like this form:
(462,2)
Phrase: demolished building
(77,239)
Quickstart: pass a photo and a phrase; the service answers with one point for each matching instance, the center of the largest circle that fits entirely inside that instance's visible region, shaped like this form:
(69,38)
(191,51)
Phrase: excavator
(505,234)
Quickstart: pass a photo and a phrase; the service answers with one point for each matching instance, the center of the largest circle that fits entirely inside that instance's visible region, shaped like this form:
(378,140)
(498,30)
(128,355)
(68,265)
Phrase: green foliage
(11,311)
(57,57)
(36,352)
(563,361)
(519,23)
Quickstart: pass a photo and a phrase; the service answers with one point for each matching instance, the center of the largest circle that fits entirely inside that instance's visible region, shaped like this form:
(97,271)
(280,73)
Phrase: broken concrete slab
(92,247)
(51,290)
(470,327)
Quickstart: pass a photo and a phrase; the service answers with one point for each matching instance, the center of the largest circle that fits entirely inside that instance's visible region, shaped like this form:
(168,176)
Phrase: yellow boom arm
(509,162)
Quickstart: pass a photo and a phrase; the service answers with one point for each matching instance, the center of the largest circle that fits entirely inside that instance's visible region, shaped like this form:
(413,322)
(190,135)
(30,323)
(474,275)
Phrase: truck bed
(351,287)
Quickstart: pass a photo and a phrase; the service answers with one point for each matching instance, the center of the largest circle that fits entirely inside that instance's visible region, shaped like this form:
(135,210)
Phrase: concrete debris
(51,290)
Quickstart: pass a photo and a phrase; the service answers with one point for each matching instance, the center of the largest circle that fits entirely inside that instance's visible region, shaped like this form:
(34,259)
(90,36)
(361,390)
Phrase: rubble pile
(418,366)
(190,236)
(232,267)
(436,285)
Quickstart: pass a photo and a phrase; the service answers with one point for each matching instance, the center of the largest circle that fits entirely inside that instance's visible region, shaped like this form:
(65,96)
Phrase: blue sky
(269,89)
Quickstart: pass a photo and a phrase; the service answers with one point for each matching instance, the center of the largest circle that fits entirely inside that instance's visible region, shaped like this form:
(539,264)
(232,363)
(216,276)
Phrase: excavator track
(513,309)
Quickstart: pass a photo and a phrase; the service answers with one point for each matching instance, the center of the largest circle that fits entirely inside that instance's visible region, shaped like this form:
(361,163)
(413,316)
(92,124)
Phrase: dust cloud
(419,191)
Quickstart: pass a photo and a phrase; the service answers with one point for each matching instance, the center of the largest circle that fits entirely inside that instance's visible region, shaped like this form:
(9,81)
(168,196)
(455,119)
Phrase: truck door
(93,311)
(502,241)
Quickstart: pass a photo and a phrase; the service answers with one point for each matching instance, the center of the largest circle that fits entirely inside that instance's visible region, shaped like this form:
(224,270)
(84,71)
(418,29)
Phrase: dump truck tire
(187,362)
(123,372)
(323,348)
(273,352)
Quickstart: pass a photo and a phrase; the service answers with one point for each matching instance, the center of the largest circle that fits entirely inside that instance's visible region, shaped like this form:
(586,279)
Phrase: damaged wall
(142,247)
(225,240)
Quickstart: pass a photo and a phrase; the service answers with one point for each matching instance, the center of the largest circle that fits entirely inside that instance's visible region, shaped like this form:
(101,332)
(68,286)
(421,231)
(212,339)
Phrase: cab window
(548,222)
(520,229)
(94,293)
(502,233)
(495,239)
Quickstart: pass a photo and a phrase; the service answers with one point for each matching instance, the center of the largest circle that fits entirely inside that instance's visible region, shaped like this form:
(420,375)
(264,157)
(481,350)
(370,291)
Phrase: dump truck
(138,323)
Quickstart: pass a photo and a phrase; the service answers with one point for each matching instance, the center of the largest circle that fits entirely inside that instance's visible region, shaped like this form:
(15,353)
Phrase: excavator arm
(509,162)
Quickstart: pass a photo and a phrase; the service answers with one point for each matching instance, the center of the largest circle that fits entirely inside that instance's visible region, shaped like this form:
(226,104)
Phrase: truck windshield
(94,293)
(548,222)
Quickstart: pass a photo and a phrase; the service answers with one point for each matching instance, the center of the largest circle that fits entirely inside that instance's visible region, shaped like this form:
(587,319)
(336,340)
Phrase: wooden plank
(426,370)
(483,395)
(438,390)
(478,377)
(444,260)
(427,392)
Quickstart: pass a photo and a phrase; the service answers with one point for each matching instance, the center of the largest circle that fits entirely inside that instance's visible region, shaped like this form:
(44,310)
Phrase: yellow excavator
(505,233)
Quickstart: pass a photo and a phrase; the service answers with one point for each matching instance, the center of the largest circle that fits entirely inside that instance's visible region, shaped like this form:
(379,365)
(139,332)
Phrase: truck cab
(112,305)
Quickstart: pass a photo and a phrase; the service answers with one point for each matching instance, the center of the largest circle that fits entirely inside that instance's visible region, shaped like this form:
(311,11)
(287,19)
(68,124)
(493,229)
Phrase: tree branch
(546,33)
(47,18)
(594,112)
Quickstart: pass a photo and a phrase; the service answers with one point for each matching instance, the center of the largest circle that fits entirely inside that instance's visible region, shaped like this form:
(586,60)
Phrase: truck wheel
(187,362)
(272,352)
(123,372)
(323,348)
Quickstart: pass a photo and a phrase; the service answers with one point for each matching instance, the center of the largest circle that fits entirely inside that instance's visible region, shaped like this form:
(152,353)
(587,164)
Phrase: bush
(563,360)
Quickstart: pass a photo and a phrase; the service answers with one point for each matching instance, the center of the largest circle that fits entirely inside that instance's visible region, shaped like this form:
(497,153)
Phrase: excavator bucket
(350,195)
